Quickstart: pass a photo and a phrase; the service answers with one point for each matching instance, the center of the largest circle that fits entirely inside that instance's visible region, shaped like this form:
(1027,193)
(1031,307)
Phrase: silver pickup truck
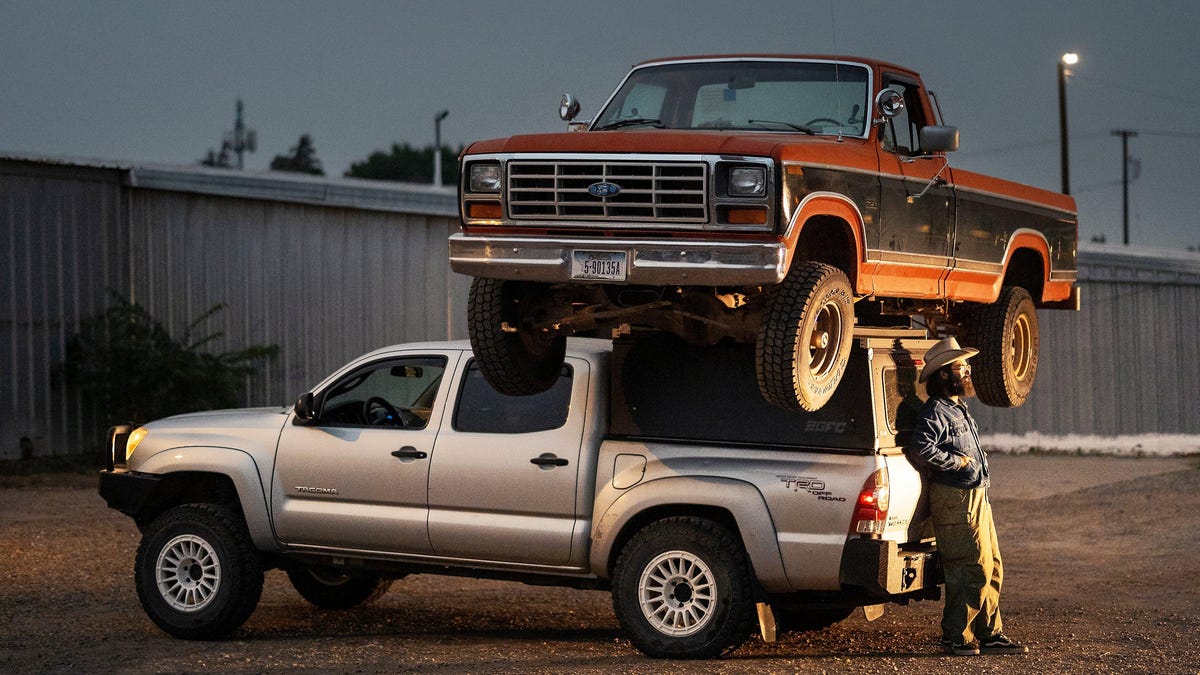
(650,469)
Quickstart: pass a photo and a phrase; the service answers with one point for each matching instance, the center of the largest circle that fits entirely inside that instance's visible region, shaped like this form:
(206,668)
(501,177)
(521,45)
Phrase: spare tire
(804,340)
(514,360)
(1006,335)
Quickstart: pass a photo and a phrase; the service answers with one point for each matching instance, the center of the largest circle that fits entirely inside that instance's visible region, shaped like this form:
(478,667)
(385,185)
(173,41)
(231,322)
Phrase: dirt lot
(1100,554)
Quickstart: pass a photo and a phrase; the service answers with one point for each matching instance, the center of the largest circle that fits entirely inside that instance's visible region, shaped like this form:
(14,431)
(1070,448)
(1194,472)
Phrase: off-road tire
(514,363)
(330,589)
(797,369)
(666,618)
(197,573)
(1006,335)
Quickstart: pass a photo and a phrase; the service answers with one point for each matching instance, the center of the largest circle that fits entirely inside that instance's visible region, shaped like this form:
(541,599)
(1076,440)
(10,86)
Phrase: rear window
(482,409)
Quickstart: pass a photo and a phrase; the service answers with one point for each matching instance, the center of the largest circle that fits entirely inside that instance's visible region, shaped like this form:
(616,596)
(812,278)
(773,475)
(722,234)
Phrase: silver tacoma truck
(650,469)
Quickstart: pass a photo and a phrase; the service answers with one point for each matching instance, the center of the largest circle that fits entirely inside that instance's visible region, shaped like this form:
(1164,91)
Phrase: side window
(397,393)
(904,395)
(482,409)
(902,133)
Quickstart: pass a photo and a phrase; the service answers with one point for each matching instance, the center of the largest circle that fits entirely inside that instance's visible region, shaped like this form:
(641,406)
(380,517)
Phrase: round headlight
(747,181)
(134,439)
(484,178)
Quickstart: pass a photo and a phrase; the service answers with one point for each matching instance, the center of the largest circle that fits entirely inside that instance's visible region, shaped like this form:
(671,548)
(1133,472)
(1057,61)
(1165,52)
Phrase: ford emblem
(603,189)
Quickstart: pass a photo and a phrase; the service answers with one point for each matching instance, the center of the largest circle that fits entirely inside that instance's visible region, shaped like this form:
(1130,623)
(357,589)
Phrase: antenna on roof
(837,78)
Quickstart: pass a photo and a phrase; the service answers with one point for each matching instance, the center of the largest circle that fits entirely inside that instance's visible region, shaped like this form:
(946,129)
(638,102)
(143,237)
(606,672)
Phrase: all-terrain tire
(804,341)
(1006,335)
(682,589)
(197,573)
(514,362)
(330,589)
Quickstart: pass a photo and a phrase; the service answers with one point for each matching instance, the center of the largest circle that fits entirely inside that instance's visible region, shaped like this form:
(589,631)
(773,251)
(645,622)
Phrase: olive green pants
(966,539)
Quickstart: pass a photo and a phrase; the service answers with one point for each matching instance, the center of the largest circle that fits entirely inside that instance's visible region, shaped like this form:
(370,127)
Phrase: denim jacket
(944,432)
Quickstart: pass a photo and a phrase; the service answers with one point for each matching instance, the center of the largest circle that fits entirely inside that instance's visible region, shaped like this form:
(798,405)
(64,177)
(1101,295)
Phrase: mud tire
(197,573)
(515,363)
(1006,335)
(804,341)
(682,589)
(330,589)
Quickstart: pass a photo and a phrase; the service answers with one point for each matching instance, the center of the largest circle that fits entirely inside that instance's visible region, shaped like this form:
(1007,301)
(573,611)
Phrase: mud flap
(766,621)
(873,612)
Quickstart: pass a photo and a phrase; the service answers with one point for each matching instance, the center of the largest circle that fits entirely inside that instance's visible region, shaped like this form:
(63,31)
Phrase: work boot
(999,644)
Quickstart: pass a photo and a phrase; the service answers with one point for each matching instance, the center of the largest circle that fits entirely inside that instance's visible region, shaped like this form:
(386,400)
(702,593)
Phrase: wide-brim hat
(943,353)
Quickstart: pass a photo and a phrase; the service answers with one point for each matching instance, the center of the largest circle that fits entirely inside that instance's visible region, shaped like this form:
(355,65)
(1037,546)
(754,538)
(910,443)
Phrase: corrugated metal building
(328,268)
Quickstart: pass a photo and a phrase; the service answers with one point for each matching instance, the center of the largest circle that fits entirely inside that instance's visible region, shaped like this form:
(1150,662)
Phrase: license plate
(598,265)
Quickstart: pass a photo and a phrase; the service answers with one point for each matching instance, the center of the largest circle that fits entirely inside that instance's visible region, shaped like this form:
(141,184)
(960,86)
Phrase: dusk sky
(156,82)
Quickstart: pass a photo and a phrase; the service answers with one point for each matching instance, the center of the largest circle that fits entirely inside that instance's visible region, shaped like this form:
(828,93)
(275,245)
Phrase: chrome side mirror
(568,108)
(938,139)
(889,102)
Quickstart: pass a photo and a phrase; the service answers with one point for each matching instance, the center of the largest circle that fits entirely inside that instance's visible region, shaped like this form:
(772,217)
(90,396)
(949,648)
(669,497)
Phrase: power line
(1135,90)
(1030,145)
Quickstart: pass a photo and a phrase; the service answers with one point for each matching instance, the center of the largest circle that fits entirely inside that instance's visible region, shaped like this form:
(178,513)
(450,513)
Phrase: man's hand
(964,461)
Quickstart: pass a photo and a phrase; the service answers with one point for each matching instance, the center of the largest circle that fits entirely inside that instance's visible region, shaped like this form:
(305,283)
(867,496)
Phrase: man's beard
(962,387)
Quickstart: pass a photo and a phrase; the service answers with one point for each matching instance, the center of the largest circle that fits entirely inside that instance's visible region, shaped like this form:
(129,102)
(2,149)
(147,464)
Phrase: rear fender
(682,496)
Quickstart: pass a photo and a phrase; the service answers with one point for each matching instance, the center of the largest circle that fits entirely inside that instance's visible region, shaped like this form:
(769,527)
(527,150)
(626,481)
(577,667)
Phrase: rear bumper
(650,262)
(883,569)
(126,491)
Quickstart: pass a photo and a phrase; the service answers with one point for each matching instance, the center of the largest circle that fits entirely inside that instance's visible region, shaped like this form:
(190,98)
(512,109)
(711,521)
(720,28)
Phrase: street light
(1068,59)
(437,146)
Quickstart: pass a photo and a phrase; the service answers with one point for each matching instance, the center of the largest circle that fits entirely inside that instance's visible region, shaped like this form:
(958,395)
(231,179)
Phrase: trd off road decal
(813,486)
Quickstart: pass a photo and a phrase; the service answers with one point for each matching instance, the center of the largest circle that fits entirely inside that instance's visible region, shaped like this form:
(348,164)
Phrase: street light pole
(1125,134)
(1068,59)
(437,146)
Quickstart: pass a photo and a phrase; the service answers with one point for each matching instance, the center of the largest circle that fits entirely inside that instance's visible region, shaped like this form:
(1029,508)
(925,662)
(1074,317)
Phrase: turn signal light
(747,216)
(484,211)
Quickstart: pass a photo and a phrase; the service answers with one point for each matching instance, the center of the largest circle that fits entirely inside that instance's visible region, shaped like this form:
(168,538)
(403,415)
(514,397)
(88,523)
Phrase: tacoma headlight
(484,177)
(747,181)
(134,439)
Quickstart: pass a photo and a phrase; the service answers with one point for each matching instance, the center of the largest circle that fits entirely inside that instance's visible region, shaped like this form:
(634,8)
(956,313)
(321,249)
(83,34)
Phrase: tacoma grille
(674,192)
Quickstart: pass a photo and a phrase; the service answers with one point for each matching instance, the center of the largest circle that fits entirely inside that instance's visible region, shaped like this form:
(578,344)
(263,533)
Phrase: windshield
(795,96)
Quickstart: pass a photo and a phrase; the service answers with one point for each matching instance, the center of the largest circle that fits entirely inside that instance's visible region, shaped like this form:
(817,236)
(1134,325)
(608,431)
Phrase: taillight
(870,513)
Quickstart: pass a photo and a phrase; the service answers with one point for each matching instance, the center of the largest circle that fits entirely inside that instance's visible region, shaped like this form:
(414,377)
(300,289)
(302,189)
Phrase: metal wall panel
(60,248)
(1127,363)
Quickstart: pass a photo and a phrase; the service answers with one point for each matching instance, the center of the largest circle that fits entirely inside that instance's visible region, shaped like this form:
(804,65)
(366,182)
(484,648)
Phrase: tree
(131,366)
(303,159)
(407,164)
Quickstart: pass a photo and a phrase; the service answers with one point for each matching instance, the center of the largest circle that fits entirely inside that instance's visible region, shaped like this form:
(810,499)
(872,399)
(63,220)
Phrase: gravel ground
(1101,576)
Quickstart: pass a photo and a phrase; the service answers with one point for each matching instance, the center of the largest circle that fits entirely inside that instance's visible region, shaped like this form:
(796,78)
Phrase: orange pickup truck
(774,200)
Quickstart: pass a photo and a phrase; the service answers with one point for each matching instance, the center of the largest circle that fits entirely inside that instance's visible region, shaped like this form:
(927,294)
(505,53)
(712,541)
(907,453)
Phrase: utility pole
(1125,135)
(437,146)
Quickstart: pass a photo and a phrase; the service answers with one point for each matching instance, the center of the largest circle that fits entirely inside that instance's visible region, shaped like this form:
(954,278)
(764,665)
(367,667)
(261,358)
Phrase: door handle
(409,452)
(548,459)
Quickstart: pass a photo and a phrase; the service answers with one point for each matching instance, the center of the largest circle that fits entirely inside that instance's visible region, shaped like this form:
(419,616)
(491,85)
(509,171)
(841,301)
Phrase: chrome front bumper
(650,261)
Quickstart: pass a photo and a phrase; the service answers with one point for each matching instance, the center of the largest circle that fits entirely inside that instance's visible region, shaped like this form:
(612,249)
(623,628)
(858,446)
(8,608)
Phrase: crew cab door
(914,237)
(355,477)
(504,476)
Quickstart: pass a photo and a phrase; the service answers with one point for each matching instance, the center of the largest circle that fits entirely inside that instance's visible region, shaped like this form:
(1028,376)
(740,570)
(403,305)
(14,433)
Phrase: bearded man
(945,448)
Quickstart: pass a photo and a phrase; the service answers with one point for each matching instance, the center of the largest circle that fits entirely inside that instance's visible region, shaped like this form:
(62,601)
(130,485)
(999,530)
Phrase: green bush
(130,366)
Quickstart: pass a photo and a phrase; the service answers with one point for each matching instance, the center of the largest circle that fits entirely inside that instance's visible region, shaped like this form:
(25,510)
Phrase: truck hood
(254,431)
(751,144)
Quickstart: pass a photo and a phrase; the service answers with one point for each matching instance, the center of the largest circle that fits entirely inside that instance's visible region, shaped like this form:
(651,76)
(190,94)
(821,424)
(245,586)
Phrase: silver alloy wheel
(188,573)
(677,593)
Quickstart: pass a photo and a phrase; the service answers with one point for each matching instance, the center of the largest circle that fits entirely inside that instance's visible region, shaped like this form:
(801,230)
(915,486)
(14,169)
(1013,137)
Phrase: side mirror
(568,108)
(938,139)
(304,408)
